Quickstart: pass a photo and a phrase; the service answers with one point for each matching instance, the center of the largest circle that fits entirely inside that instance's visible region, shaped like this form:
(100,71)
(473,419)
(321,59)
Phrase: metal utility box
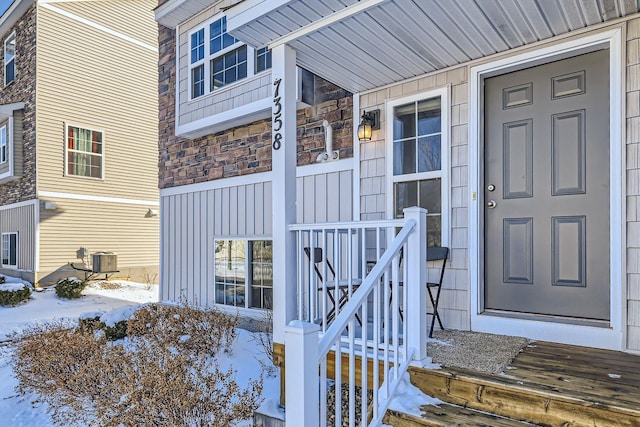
(105,262)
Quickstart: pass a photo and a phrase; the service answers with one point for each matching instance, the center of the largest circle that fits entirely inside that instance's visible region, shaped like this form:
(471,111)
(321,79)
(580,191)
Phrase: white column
(302,381)
(416,315)
(283,139)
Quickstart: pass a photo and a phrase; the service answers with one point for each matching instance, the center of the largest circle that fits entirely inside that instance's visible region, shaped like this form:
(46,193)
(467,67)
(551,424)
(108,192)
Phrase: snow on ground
(409,398)
(246,358)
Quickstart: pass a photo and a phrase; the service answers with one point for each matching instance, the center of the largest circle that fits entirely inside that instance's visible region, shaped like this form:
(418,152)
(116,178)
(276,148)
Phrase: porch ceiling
(361,45)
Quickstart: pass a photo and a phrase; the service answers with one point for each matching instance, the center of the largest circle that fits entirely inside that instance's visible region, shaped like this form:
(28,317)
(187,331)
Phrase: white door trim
(612,337)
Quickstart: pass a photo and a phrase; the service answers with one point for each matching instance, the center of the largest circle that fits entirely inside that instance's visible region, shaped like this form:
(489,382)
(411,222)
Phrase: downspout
(328,154)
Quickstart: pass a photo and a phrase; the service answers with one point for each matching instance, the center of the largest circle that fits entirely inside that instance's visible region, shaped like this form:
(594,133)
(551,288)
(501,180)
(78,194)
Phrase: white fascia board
(174,12)
(165,9)
(227,119)
(13,14)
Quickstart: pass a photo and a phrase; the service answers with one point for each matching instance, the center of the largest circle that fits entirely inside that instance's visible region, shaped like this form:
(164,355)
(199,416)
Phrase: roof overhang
(362,45)
(13,13)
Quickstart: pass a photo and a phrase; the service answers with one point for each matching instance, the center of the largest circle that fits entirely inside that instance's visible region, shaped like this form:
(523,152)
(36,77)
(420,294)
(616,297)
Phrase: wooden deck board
(550,384)
(445,415)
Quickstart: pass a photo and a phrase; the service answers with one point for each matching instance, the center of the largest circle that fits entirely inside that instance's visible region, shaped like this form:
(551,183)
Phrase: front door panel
(546,189)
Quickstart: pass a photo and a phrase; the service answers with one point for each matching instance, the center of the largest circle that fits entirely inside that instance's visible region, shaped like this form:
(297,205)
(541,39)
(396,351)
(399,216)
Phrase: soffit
(395,40)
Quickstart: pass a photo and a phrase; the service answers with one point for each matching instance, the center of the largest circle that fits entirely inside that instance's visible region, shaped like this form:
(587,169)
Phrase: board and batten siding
(123,228)
(191,221)
(21,219)
(91,78)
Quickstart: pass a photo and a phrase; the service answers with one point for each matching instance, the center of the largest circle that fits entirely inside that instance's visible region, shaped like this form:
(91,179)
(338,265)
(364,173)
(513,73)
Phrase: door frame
(601,337)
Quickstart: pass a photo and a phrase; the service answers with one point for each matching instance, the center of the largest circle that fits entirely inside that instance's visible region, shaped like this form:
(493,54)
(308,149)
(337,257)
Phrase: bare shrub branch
(162,374)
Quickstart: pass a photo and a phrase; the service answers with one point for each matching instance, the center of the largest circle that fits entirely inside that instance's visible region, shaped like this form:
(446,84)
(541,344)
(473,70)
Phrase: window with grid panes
(218,59)
(418,145)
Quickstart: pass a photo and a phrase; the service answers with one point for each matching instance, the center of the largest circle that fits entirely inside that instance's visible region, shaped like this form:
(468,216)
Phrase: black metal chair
(436,254)
(329,285)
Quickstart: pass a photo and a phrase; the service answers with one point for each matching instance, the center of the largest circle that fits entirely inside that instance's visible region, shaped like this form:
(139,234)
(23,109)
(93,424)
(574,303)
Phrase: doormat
(474,350)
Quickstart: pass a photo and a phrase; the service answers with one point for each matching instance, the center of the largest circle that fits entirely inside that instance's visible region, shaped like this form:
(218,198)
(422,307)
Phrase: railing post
(301,369)
(416,304)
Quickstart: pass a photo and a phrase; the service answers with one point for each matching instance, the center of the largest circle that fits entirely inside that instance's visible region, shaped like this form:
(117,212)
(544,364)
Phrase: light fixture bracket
(374,118)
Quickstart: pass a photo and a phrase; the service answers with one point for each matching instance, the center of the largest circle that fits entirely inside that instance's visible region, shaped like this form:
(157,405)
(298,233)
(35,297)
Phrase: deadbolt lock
(491,187)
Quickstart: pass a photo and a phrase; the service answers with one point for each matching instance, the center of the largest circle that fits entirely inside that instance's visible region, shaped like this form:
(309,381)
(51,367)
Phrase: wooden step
(539,404)
(445,415)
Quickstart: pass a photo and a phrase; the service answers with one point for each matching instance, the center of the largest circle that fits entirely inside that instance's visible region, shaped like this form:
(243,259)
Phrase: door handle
(491,204)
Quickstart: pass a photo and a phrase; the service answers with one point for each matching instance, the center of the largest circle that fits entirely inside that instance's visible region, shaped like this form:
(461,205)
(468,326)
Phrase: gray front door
(546,189)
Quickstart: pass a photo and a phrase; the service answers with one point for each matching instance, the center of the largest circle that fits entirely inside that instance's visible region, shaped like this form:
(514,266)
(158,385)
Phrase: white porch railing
(345,314)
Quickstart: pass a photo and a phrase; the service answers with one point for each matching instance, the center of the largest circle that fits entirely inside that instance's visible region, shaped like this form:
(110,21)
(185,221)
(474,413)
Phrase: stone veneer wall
(22,89)
(245,149)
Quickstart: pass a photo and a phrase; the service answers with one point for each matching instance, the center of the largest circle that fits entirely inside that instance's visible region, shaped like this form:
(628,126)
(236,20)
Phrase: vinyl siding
(325,197)
(633,184)
(21,219)
(192,221)
(454,300)
(93,79)
(101,13)
(98,226)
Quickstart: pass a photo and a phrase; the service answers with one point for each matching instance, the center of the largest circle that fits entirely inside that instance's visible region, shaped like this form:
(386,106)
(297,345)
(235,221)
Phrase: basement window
(10,250)
(244,273)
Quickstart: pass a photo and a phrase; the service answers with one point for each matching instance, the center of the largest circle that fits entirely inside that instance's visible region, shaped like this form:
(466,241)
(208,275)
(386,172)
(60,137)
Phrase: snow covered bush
(70,288)
(189,328)
(2,279)
(13,293)
(160,375)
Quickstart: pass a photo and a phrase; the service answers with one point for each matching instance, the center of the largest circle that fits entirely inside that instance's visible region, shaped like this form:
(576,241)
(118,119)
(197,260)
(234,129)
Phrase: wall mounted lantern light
(370,121)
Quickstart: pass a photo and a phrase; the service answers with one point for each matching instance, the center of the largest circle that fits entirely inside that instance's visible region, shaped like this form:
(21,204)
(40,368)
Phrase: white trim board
(19,204)
(90,198)
(613,336)
(255,178)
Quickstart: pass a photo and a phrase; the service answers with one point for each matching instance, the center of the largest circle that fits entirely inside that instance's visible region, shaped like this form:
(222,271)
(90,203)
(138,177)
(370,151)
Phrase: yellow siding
(97,226)
(101,12)
(93,79)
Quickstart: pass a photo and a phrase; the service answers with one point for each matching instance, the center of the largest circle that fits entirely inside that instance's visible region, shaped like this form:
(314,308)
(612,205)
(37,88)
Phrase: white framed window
(244,273)
(84,152)
(4,146)
(217,59)
(10,250)
(418,135)
(10,59)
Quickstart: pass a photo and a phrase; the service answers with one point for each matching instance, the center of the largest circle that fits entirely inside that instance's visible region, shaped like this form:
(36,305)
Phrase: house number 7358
(277,114)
